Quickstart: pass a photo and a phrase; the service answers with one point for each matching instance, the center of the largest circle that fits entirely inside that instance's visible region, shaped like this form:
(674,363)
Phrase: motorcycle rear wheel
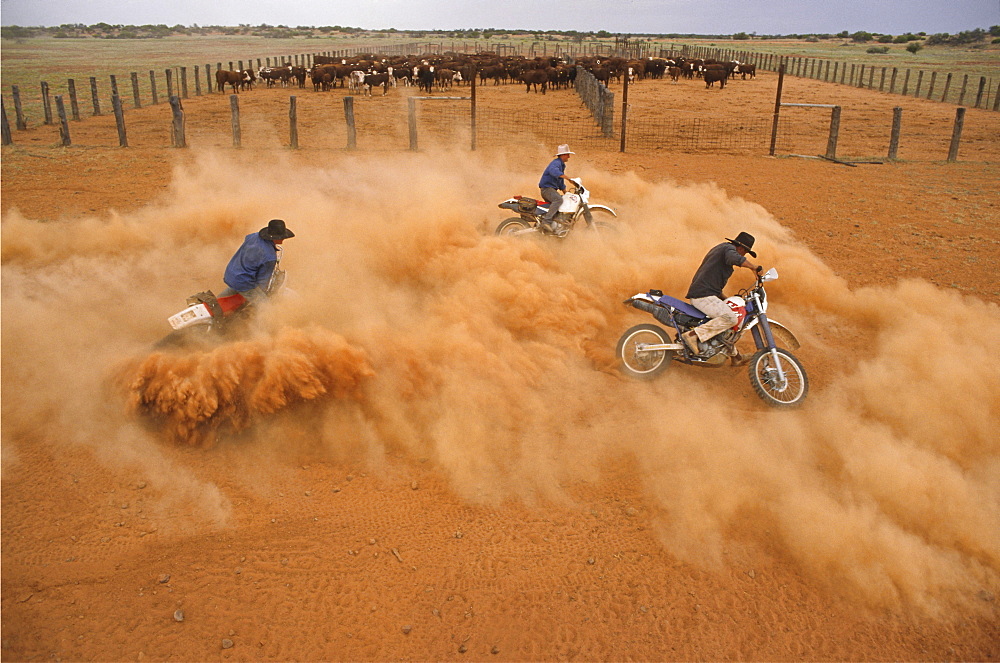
(765,382)
(643,365)
(511,226)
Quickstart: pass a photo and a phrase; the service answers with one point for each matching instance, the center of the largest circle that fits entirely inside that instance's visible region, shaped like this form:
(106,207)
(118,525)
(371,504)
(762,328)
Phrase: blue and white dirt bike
(645,351)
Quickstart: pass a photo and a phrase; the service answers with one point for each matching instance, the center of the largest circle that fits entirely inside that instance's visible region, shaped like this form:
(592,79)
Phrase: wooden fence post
(920,80)
(625,109)
(197,82)
(234,106)
(996,98)
(73,105)
(897,123)
(871,77)
(881,85)
(861,77)
(114,86)
(411,116)
(947,84)
(136,101)
(956,134)
(116,104)
(930,87)
(178,139)
(152,86)
(777,109)
(93,96)
(293,122)
(63,122)
(208,77)
(20,122)
(184,82)
(170,82)
(961,95)
(831,143)
(475,75)
(46,103)
(352,132)
(892,83)
(979,94)
(5,137)
(906,83)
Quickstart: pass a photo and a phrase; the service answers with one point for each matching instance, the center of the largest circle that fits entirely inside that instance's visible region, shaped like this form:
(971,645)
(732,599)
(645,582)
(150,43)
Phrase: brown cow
(535,77)
(227,77)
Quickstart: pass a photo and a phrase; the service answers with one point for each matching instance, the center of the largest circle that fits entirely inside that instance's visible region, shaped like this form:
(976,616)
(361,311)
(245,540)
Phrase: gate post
(411,113)
(831,143)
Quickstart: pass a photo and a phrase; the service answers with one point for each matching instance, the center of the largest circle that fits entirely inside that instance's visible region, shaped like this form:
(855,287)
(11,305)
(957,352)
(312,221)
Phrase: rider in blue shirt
(250,269)
(551,184)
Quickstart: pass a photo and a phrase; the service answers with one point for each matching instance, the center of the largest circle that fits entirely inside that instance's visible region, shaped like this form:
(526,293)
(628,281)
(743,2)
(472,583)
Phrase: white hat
(563,149)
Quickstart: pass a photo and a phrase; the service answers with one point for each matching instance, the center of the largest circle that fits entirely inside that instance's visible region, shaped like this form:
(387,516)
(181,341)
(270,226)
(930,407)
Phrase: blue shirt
(252,265)
(551,177)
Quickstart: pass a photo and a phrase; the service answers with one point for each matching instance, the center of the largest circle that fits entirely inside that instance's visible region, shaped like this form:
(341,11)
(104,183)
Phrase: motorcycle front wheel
(511,226)
(187,338)
(773,390)
(638,363)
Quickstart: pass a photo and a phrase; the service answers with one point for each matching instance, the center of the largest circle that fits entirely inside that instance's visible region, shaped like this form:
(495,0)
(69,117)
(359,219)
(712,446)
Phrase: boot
(739,359)
(691,340)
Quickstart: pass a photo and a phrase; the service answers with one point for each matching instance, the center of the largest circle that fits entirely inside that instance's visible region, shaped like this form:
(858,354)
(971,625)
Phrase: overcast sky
(616,16)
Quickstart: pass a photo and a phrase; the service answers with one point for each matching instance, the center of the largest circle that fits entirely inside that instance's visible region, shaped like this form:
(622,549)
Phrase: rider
(250,269)
(705,292)
(552,187)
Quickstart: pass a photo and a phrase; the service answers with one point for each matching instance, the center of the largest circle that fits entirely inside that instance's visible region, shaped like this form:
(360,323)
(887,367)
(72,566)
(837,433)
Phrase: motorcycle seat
(683,307)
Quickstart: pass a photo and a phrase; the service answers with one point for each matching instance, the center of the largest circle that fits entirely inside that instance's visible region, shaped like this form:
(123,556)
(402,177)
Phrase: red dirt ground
(417,572)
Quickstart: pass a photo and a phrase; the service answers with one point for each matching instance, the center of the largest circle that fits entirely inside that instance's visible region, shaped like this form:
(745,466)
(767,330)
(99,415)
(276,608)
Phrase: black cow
(375,80)
(425,79)
(714,73)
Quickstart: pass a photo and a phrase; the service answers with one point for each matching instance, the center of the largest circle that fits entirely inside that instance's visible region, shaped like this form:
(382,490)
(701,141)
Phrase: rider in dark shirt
(705,292)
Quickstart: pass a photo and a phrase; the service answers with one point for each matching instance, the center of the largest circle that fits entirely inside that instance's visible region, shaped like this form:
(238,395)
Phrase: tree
(741,36)
(861,37)
(913,46)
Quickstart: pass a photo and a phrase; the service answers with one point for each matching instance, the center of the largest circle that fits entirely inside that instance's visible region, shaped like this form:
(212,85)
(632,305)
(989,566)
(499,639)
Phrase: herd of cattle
(363,73)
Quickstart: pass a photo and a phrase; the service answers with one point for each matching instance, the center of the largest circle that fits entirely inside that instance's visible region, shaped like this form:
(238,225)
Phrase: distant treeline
(108,31)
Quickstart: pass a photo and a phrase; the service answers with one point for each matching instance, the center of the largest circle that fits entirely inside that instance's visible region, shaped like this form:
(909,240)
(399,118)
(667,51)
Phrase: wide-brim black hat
(276,230)
(746,241)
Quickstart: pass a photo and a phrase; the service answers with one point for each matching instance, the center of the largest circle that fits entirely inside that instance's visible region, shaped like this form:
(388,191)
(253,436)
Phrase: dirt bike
(573,208)
(645,351)
(210,317)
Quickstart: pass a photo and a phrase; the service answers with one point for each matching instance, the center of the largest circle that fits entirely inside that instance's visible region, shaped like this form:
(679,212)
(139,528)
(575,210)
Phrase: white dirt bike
(572,210)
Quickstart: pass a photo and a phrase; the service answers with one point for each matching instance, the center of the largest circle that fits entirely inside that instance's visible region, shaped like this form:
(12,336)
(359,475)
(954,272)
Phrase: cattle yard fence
(860,132)
(975,91)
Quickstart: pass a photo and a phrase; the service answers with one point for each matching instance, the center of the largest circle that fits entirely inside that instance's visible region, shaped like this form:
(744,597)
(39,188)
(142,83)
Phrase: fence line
(598,98)
(964,90)
(978,95)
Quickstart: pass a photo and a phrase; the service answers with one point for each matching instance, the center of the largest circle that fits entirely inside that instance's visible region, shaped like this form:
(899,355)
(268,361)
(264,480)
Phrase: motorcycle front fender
(786,333)
(777,330)
(605,208)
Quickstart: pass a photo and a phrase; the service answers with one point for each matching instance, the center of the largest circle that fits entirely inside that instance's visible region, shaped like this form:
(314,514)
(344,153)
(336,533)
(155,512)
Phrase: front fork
(763,338)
